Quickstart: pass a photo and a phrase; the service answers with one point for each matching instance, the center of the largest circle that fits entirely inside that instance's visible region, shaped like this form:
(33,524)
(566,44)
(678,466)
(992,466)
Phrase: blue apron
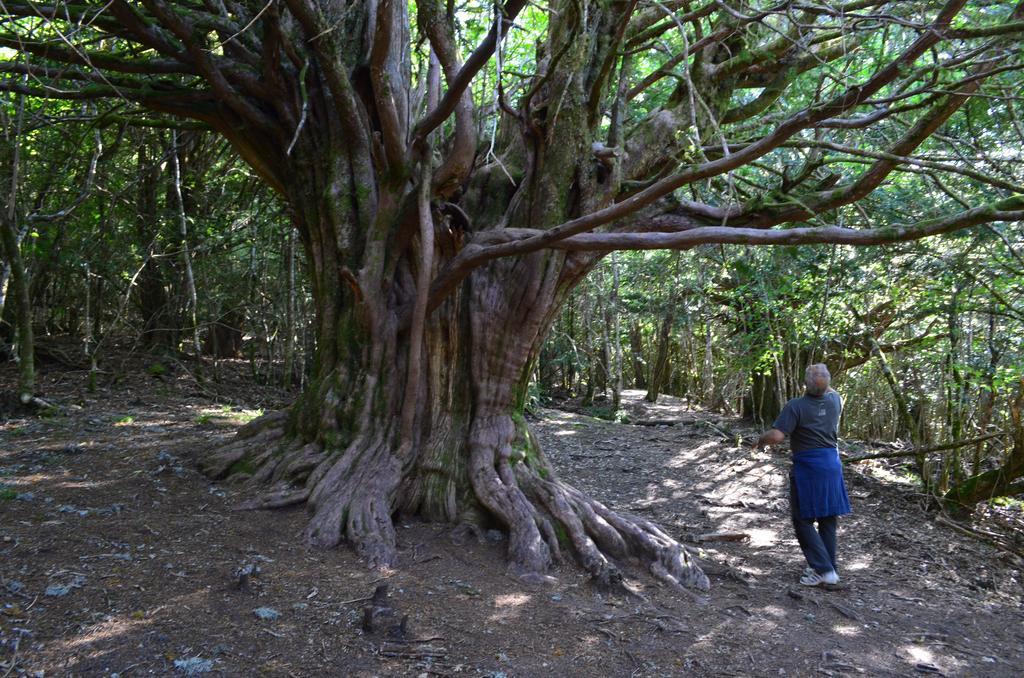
(818,476)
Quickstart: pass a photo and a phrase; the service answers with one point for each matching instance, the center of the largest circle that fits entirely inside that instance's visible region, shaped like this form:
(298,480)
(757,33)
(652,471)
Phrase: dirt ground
(118,558)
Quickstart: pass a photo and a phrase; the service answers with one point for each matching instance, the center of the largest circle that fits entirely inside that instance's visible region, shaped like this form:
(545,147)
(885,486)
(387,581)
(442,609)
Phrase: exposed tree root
(536,507)
(255,437)
(599,535)
(352,497)
(353,494)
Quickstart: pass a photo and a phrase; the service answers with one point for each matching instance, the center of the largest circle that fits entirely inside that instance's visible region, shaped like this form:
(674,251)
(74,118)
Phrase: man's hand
(772,436)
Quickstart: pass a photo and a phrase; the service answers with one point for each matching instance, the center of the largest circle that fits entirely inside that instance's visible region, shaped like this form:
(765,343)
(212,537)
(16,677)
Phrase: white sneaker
(812,578)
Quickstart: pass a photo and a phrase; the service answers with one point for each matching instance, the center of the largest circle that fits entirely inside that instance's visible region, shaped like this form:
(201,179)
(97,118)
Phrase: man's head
(817,379)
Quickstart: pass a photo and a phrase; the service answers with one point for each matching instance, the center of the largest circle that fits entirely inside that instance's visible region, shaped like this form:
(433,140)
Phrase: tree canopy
(767,113)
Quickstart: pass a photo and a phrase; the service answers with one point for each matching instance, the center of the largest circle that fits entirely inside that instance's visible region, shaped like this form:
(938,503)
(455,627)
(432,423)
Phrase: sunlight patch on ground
(82,484)
(224,414)
(34,479)
(653,498)
(111,628)
(565,432)
(687,457)
(887,475)
(508,604)
(762,536)
(919,654)
(860,563)
(775,611)
(512,600)
(846,629)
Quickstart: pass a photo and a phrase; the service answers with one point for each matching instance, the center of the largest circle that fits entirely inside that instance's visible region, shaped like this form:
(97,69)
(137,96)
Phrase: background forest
(139,238)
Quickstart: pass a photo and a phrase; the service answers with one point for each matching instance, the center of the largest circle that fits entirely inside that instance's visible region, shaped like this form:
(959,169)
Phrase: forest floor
(117,557)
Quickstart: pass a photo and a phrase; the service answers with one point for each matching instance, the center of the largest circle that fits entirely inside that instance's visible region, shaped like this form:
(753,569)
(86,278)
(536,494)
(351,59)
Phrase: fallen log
(925,450)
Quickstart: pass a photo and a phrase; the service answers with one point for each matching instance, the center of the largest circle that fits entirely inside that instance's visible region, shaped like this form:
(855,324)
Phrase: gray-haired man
(816,488)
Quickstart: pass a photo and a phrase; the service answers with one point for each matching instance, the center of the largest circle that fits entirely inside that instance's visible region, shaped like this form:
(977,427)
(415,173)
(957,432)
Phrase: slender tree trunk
(636,350)
(186,257)
(159,329)
(22,311)
(987,397)
(708,367)
(952,470)
(660,370)
(908,424)
(617,337)
(591,371)
(569,366)
(5,273)
(603,352)
(288,376)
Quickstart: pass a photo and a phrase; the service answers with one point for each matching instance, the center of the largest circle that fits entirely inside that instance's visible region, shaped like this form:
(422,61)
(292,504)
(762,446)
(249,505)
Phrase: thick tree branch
(456,167)
(332,66)
(1011,209)
(912,161)
(474,63)
(60,52)
(384,39)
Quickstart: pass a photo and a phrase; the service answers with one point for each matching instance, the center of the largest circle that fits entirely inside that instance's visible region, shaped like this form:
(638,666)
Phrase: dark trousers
(818,545)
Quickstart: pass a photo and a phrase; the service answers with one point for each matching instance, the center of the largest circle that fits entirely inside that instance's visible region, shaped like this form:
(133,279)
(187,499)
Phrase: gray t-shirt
(811,422)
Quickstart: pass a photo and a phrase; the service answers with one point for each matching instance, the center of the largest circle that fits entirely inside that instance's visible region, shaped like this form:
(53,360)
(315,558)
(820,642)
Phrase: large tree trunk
(420,411)
(474,458)
(159,326)
(469,456)
(22,307)
(10,246)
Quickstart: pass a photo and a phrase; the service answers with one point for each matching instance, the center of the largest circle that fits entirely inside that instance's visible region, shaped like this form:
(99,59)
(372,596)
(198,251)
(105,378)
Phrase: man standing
(816,489)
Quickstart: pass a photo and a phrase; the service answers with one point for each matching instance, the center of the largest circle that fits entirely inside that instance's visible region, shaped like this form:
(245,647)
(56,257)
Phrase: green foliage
(1008,502)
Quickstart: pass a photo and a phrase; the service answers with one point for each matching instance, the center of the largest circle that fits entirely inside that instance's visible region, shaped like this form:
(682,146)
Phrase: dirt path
(116,557)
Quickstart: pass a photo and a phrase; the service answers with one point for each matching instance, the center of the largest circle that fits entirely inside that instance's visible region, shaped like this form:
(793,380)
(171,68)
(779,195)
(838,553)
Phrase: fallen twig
(846,612)
(426,560)
(418,640)
(659,422)
(719,536)
(388,650)
(328,603)
(14,658)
